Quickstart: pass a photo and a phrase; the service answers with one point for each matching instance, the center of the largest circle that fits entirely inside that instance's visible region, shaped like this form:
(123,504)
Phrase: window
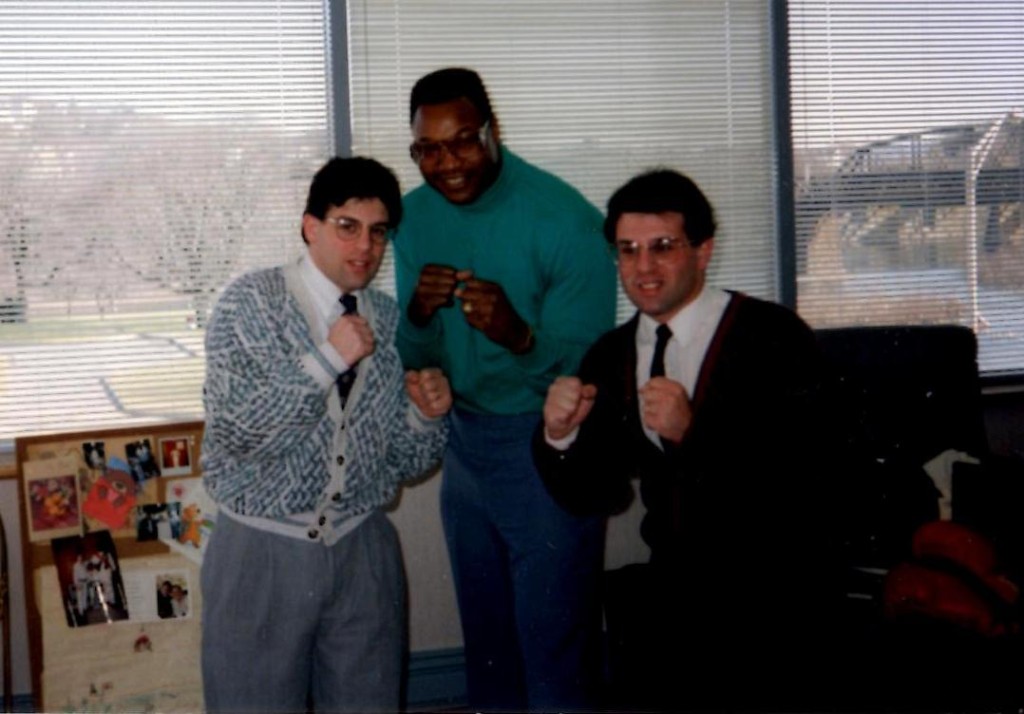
(148,153)
(595,91)
(908,140)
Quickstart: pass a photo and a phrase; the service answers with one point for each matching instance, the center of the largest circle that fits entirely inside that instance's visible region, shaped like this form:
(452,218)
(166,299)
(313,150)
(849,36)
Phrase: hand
(429,391)
(568,403)
(352,337)
(434,290)
(486,307)
(666,408)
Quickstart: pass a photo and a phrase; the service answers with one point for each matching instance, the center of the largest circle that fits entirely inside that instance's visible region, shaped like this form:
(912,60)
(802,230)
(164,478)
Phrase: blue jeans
(527,574)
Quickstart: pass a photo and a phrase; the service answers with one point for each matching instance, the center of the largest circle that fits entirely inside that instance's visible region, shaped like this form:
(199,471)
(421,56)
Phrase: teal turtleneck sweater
(541,240)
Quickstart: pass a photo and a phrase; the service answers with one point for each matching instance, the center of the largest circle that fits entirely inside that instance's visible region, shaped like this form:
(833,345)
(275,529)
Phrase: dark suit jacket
(737,513)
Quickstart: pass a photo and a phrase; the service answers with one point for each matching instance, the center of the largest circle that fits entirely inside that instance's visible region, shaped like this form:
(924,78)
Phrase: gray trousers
(289,623)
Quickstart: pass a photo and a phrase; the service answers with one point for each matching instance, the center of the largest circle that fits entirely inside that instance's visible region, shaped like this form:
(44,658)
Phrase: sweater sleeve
(592,476)
(418,346)
(578,301)
(415,451)
(258,398)
(415,444)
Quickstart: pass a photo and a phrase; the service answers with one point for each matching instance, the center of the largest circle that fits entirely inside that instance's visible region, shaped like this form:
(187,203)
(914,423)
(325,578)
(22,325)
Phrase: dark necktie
(346,378)
(664,333)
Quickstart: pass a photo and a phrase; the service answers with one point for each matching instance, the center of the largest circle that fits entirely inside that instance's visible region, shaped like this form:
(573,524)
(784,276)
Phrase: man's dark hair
(663,191)
(341,179)
(448,85)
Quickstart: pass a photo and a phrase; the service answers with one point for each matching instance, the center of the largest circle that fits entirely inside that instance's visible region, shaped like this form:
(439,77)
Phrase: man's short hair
(341,179)
(448,85)
(663,191)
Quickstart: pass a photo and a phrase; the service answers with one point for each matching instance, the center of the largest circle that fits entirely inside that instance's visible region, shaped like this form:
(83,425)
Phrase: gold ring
(467,307)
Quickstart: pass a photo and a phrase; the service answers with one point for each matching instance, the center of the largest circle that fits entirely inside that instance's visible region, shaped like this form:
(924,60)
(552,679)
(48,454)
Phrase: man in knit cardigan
(311,425)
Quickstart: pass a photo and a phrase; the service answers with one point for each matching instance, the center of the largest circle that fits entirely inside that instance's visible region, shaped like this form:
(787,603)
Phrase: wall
(21,676)
(433,618)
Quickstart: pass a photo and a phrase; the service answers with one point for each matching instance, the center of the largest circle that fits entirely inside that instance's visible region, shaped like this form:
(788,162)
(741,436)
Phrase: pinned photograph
(51,498)
(95,455)
(90,579)
(141,460)
(172,596)
(152,522)
(176,456)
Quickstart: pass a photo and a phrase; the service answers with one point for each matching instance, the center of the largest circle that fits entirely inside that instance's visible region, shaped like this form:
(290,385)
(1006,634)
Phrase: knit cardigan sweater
(277,441)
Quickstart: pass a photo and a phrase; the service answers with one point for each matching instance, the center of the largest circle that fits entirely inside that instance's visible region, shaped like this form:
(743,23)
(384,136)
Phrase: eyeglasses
(660,249)
(463,146)
(349,229)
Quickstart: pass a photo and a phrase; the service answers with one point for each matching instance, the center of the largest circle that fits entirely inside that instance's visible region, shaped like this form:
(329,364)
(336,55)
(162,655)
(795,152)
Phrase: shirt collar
(325,293)
(684,322)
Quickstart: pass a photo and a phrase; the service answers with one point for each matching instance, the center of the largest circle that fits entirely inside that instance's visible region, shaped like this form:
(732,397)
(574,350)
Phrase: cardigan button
(313,533)
(323,519)
(341,459)
(336,497)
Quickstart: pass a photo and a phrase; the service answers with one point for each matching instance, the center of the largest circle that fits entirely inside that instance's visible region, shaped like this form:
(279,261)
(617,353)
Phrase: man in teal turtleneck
(505,282)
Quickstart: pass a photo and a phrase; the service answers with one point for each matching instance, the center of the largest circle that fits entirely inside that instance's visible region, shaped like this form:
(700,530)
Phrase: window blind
(595,91)
(908,142)
(149,152)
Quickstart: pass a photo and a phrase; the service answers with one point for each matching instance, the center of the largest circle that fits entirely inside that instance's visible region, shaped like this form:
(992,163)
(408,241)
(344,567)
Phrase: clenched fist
(352,337)
(488,309)
(434,289)
(568,403)
(429,391)
(665,408)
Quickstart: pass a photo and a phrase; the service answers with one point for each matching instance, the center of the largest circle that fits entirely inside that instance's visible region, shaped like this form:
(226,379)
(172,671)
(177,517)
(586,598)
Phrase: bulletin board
(114,525)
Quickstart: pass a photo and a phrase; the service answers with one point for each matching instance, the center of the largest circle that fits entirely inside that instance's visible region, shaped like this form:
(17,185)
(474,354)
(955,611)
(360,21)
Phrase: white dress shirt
(693,328)
(326,302)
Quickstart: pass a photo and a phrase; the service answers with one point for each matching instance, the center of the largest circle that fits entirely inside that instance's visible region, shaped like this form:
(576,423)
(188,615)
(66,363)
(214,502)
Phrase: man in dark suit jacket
(722,424)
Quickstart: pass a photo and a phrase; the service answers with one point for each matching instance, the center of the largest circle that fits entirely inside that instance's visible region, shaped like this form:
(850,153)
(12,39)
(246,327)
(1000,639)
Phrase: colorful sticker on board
(112,496)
